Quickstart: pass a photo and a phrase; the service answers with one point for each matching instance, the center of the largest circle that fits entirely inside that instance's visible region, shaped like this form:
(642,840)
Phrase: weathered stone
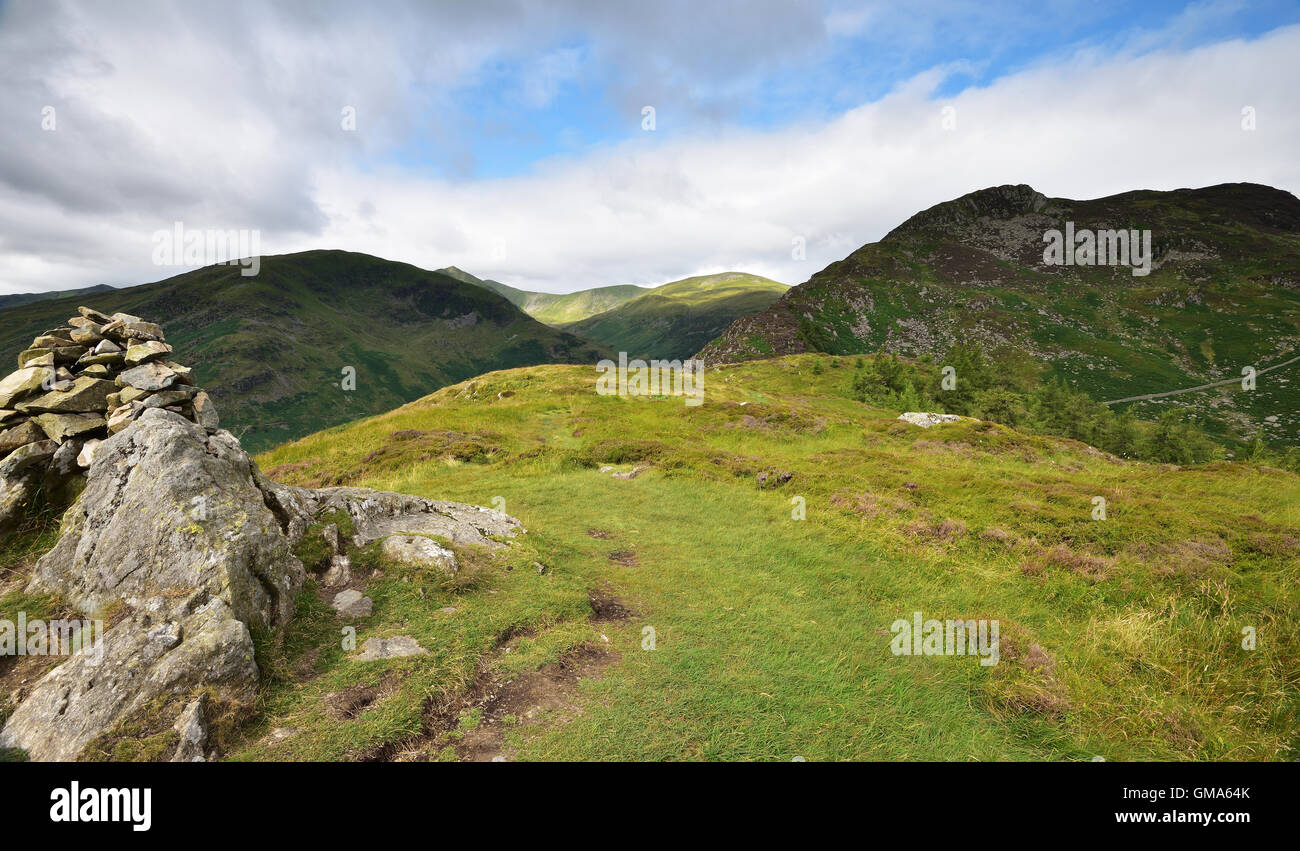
(22,383)
(339,573)
(146,351)
(137,512)
(108,358)
(20,476)
(165,398)
(418,551)
(97,370)
(352,604)
(137,329)
(60,427)
(182,372)
(171,527)
(924,419)
(63,481)
(20,435)
(135,664)
(9,416)
(49,341)
(131,394)
(120,418)
(32,455)
(106,347)
(150,376)
(192,729)
(332,537)
(36,357)
(83,394)
(390,648)
(87,453)
(94,316)
(69,354)
(205,412)
(87,335)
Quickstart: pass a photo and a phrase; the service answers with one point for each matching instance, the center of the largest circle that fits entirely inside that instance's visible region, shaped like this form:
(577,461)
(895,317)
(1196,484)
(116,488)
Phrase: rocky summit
(173,540)
(75,386)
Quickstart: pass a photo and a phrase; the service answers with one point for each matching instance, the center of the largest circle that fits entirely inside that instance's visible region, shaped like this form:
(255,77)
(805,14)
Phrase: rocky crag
(74,387)
(173,536)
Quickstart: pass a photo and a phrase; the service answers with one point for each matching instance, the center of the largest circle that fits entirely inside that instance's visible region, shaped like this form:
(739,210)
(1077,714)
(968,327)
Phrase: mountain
(16,299)
(1223,293)
(274,349)
(552,308)
(674,320)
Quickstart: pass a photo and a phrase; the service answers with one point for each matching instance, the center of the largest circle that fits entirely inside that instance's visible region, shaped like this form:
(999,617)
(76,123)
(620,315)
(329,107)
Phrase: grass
(1121,637)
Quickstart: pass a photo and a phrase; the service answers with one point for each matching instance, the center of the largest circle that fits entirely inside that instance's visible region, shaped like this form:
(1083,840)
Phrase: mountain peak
(995,202)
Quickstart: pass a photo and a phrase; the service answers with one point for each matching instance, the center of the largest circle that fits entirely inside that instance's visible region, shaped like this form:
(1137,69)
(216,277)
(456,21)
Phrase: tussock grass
(1123,639)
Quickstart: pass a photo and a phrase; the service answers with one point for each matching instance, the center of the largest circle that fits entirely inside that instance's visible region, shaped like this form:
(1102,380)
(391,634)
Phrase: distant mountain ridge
(16,299)
(674,320)
(279,351)
(556,309)
(1223,294)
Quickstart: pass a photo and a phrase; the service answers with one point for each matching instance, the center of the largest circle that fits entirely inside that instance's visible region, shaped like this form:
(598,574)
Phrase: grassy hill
(1224,293)
(271,349)
(688,612)
(555,308)
(676,319)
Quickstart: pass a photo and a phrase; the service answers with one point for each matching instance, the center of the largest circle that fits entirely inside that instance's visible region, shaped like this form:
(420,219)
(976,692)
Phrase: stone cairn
(76,386)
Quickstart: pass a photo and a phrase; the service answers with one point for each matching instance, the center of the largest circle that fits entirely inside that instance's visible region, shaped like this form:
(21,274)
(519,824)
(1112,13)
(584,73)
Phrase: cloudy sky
(512,138)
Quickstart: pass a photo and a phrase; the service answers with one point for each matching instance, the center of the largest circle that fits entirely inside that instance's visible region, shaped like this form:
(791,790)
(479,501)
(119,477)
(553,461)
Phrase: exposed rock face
(178,534)
(171,518)
(925,419)
(379,514)
(172,527)
(419,551)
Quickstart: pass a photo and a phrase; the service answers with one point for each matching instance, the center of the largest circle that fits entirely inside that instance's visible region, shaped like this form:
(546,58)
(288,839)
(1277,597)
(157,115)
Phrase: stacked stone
(79,384)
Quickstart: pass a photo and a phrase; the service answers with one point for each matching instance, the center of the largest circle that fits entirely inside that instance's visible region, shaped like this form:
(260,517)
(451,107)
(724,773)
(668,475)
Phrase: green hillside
(691,610)
(676,319)
(556,309)
(16,299)
(1223,294)
(272,349)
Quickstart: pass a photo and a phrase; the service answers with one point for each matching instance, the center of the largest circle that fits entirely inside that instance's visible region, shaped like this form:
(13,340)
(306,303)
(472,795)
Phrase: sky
(577,143)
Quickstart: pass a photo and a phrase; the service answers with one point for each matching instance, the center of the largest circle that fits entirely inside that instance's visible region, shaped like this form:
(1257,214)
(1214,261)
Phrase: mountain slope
(674,320)
(555,308)
(772,615)
(272,349)
(16,299)
(1223,294)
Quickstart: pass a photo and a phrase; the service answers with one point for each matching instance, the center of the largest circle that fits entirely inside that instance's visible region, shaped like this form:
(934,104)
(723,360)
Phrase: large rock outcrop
(181,544)
(76,385)
(173,532)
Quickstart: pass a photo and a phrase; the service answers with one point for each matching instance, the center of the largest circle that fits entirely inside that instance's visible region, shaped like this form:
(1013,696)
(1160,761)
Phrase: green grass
(772,632)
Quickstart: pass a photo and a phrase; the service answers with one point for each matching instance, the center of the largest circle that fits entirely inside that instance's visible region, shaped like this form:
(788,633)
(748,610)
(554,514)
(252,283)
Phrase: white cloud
(644,213)
(249,138)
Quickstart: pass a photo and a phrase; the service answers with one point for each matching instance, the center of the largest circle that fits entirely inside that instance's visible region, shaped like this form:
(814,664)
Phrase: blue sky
(505,136)
(558,98)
